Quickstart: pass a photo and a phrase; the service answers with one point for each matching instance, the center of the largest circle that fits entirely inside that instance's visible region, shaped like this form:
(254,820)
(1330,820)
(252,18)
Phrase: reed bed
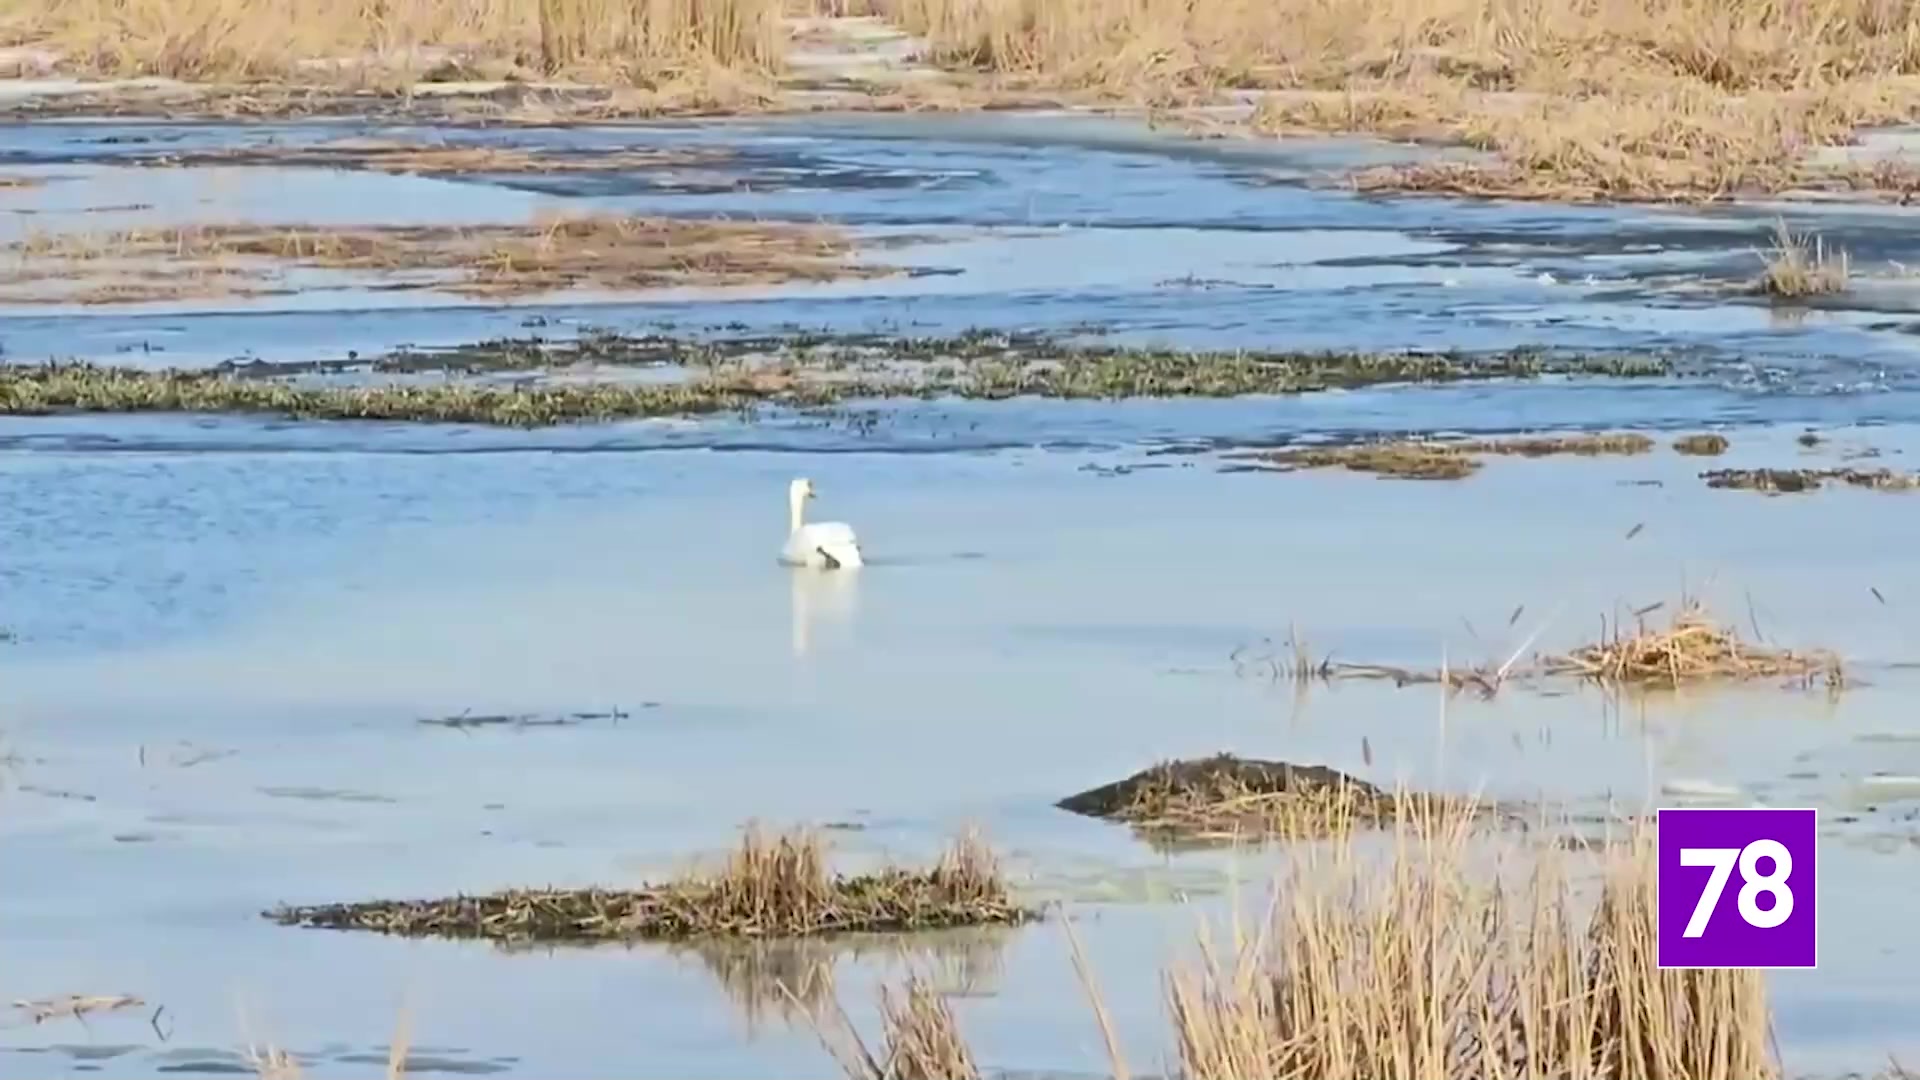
(771,886)
(367,41)
(1694,101)
(1437,951)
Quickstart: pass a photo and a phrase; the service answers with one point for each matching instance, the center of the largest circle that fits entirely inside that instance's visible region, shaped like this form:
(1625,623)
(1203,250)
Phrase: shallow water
(229,629)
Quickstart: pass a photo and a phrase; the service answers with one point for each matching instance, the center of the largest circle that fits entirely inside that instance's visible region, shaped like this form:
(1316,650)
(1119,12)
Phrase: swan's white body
(823,545)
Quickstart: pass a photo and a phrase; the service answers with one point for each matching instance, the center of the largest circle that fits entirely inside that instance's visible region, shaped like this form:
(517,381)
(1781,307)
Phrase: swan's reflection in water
(821,600)
(788,981)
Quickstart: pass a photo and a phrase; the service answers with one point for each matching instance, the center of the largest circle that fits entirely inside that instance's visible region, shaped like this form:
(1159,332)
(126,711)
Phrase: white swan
(825,545)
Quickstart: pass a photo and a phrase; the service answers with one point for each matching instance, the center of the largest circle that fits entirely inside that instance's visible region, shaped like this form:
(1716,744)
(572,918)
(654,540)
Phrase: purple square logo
(1737,888)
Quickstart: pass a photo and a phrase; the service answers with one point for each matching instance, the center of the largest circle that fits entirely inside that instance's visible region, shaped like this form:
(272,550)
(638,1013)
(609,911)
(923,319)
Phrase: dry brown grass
(1579,100)
(602,252)
(1799,265)
(644,41)
(1692,647)
(770,886)
(1417,459)
(1448,954)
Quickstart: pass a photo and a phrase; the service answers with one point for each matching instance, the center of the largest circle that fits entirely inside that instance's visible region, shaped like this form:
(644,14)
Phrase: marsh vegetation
(770,886)
(722,380)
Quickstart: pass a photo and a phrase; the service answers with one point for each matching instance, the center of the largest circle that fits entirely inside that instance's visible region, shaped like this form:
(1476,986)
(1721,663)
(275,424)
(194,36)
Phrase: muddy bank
(777,886)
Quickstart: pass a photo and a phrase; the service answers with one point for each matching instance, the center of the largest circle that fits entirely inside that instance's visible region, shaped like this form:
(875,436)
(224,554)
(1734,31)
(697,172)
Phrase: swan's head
(801,488)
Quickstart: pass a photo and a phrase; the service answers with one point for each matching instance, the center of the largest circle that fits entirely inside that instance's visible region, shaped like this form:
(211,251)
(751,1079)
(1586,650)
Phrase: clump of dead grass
(395,41)
(770,886)
(1693,647)
(548,254)
(1446,953)
(1799,265)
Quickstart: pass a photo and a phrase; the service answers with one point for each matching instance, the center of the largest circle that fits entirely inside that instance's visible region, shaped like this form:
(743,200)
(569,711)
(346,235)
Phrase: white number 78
(1723,859)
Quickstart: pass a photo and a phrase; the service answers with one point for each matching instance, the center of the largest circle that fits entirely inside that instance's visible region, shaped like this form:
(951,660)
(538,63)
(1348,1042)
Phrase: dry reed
(1440,952)
(920,1039)
(1799,265)
(642,41)
(770,886)
(1692,647)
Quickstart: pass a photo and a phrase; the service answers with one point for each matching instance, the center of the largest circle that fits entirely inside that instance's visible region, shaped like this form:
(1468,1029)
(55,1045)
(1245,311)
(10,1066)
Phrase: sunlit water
(230,630)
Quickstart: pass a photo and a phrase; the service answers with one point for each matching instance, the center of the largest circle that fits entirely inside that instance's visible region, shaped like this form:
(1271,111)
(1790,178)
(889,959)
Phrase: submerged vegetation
(1433,958)
(545,255)
(722,379)
(1413,459)
(771,886)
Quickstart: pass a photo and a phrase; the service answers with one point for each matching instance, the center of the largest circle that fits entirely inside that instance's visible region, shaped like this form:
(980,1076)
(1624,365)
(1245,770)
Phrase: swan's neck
(795,503)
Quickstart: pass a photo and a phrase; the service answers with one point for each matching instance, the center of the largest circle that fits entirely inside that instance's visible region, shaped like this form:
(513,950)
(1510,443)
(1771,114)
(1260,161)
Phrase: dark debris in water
(468,720)
(775,886)
(739,376)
